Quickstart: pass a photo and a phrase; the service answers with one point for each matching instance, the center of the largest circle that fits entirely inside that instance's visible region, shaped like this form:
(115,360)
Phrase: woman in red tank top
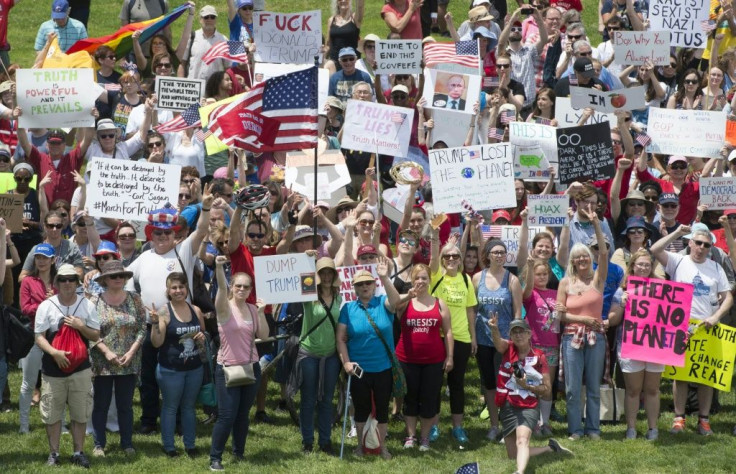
(423,355)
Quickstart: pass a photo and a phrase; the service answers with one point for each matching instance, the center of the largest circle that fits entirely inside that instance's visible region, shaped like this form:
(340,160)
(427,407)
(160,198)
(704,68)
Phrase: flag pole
(316,148)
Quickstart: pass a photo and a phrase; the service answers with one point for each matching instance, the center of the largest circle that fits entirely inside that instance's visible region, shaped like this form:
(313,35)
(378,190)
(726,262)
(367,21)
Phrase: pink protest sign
(346,281)
(656,320)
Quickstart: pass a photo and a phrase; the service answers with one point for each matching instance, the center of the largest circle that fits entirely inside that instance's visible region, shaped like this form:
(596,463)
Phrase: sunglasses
(635,231)
(247,7)
(19,179)
(115,277)
(678,166)
(126,236)
(673,65)
(70,279)
(253,235)
(409,242)
(368,256)
(669,206)
(691,81)
(55,141)
(164,65)
(111,135)
(363,283)
(105,257)
(402,77)
(574,37)
(614,28)
(55,226)
(453,256)
(503,66)
(155,144)
(159,233)
(348,59)
(209,17)
(185,196)
(80,223)
(731,217)
(241,286)
(516,29)
(703,244)
(399,96)
(343,209)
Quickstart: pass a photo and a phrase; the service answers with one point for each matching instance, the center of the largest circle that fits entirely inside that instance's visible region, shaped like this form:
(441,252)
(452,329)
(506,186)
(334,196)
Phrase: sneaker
(262,417)
(652,434)
(216,466)
(172,454)
(353,432)
(53,460)
(358,451)
(307,448)
(147,429)
(385,455)
(409,442)
(327,449)
(545,430)
(557,448)
(80,460)
(98,452)
(459,434)
(573,437)
(678,425)
(129,451)
(424,446)
(434,433)
(492,433)
(631,433)
(594,436)
(191,452)
(704,427)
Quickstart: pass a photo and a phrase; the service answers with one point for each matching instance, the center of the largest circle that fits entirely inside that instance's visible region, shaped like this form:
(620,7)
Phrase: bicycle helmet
(252,197)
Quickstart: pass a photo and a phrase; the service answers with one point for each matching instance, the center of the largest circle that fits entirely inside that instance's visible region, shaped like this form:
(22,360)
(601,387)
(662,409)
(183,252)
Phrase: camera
(527,10)
(518,367)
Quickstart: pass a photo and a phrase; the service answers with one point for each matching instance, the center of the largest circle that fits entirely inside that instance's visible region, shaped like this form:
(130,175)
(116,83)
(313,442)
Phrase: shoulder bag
(399,381)
(242,374)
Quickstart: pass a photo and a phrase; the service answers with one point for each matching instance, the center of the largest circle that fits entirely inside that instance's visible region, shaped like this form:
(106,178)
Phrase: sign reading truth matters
(56,98)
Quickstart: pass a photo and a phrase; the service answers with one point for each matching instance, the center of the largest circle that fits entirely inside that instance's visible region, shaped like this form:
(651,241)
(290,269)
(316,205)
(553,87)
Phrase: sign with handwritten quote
(178,93)
(56,98)
(585,153)
(290,38)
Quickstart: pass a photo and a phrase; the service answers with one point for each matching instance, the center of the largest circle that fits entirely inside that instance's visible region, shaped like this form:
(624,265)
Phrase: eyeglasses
(347,59)
(366,222)
(672,65)
(55,141)
(163,65)
(55,226)
(111,135)
(731,217)
(253,235)
(636,203)
(19,179)
(516,29)
(363,283)
(369,46)
(412,243)
(187,181)
(368,256)
(399,96)
(678,166)
(210,17)
(155,144)
(185,196)
(105,257)
(669,206)
(70,279)
(118,276)
(703,244)
(503,66)
(574,37)
(126,236)
(691,81)
(241,286)
(80,223)
(635,231)
(159,233)
(498,253)
(453,256)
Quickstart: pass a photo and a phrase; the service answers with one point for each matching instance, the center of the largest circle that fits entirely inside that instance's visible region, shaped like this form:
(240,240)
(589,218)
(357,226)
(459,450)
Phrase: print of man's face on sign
(450,91)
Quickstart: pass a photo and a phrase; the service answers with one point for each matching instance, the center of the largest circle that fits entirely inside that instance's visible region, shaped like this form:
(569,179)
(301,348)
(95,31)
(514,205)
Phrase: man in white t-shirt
(712,300)
(60,386)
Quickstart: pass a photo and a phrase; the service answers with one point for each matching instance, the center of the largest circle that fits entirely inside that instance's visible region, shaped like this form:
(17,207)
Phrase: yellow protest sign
(212,143)
(56,58)
(709,358)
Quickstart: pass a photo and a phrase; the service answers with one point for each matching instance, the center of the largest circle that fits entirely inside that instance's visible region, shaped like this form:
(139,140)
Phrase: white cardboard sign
(56,98)
(718,193)
(377,128)
(631,98)
(686,132)
(548,209)
(178,93)
(291,38)
(640,47)
(285,278)
(535,150)
(399,56)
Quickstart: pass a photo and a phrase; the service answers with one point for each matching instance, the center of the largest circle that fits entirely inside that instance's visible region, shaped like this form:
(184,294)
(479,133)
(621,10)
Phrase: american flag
(542,120)
(112,87)
(398,117)
(488,231)
(202,134)
(573,79)
(491,82)
(642,139)
(708,26)
(496,133)
(473,154)
(292,100)
(464,53)
(508,116)
(188,119)
(470,468)
(229,50)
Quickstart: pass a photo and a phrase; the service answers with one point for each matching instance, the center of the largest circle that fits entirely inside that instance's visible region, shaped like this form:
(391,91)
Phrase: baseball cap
(67,270)
(667,198)
(731,156)
(6,86)
(47,250)
(500,214)
(302,232)
(59,9)
(675,158)
(207,10)
(519,323)
(700,227)
(367,249)
(729,212)
(363,275)
(584,66)
(333,101)
(245,3)
(347,51)
(400,88)
(56,136)
(106,247)
(106,124)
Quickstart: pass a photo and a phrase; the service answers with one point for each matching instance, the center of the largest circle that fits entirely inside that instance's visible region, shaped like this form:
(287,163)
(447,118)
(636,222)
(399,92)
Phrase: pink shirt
(539,307)
(236,338)
(413,29)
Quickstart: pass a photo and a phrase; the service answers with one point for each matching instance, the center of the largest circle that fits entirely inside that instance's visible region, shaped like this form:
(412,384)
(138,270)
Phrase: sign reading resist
(129,190)
(585,153)
(178,93)
(399,56)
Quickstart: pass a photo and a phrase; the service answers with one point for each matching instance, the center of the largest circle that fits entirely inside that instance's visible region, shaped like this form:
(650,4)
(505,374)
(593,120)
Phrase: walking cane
(345,417)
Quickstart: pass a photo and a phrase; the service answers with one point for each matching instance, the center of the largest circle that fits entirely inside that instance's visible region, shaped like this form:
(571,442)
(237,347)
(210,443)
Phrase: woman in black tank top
(344,30)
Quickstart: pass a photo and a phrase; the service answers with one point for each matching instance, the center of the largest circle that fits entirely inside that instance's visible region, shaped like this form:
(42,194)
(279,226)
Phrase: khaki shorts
(57,392)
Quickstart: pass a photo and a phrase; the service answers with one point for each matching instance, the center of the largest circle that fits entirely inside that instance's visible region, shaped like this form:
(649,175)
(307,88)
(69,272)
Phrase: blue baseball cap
(47,250)
(59,9)
(106,247)
(347,51)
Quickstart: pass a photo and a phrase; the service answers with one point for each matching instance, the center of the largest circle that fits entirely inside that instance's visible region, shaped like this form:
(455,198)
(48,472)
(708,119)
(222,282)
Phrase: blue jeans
(124,390)
(309,388)
(589,360)
(148,388)
(179,389)
(233,405)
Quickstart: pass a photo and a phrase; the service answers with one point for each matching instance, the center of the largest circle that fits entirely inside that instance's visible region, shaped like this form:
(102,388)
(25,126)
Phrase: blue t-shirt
(364,346)
(613,281)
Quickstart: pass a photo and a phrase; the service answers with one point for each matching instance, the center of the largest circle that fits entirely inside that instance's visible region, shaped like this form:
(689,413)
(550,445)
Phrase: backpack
(465,280)
(18,334)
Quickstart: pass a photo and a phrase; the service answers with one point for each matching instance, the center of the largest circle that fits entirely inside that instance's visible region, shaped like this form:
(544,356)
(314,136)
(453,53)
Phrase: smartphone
(358,371)
(527,10)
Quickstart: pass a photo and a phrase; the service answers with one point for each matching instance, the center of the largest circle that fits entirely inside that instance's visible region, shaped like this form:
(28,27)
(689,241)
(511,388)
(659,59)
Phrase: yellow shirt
(459,296)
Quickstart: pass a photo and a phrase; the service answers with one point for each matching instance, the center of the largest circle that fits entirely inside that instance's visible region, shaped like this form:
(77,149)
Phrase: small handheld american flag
(488,231)
(496,133)
(188,119)
(643,139)
(508,116)
(229,50)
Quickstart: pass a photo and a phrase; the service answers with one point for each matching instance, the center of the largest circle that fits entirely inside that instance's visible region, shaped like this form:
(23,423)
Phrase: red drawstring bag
(69,340)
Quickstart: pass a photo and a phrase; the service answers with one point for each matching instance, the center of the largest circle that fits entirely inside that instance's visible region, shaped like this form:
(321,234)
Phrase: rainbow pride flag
(121,41)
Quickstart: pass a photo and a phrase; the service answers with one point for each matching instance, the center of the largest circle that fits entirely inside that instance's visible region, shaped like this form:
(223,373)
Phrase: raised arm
(501,344)
(601,273)
(660,246)
(186,33)
(359,12)
(563,251)
(345,258)
(397,25)
(222,307)
(409,206)
(613,193)
(434,259)
(543,36)
(140,58)
(521,256)
(236,230)
(203,223)
(393,298)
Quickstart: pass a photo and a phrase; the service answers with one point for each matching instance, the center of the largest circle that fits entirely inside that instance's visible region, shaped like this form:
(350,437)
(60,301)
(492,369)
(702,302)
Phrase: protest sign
(686,132)
(682,19)
(450,90)
(292,38)
(631,98)
(708,358)
(398,56)
(731,132)
(509,235)
(568,116)
(718,193)
(285,278)
(178,93)
(394,200)
(548,209)
(130,189)
(535,150)
(346,282)
(453,129)
(640,47)
(265,71)
(11,209)
(585,153)
(7,182)
(332,173)
(56,98)
(481,175)
(377,128)
(656,321)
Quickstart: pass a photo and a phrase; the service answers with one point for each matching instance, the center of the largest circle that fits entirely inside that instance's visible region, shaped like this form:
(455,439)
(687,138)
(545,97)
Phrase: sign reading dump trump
(130,190)
(178,93)
(56,98)
(377,128)
(656,320)
(290,38)
(282,278)
(481,175)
